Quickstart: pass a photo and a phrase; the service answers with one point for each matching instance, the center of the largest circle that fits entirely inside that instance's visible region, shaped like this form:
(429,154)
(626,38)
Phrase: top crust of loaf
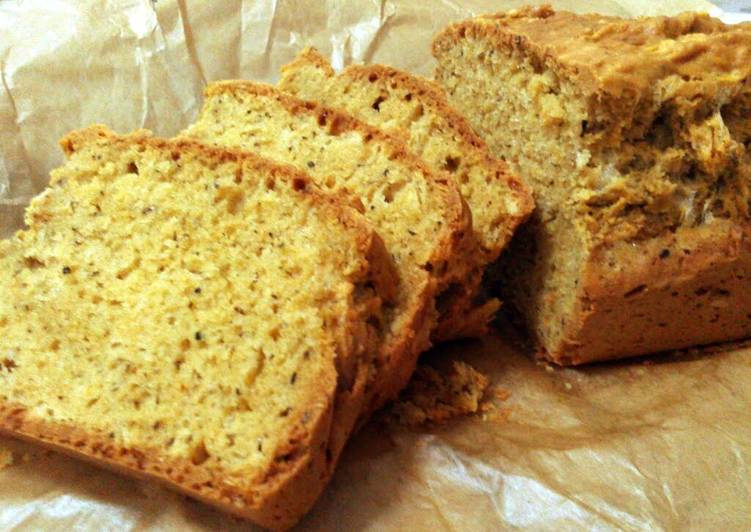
(615,56)
(303,458)
(634,135)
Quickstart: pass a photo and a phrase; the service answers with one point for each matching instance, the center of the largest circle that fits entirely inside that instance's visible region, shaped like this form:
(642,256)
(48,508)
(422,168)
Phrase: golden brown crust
(614,56)
(307,56)
(446,263)
(674,291)
(277,502)
(685,286)
(303,464)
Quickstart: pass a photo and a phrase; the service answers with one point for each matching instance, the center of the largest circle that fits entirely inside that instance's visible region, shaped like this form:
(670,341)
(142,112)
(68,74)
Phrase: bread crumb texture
(197,309)
(417,109)
(435,396)
(419,217)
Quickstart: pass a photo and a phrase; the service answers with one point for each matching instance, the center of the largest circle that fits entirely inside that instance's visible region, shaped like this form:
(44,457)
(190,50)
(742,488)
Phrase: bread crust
(659,287)
(278,497)
(681,289)
(446,264)
(611,56)
(463,315)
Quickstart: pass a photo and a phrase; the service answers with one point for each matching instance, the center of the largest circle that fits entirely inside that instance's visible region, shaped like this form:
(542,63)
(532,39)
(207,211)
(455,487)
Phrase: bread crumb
(6,458)
(501,393)
(495,414)
(490,410)
(434,396)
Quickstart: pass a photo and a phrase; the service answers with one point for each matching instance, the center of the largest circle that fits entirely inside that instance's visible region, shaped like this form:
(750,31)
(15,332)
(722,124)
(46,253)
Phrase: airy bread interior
(419,216)
(417,108)
(202,308)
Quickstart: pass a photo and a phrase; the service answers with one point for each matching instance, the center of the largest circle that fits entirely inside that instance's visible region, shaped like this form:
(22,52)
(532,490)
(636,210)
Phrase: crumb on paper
(490,409)
(6,458)
(501,393)
(434,396)
(498,415)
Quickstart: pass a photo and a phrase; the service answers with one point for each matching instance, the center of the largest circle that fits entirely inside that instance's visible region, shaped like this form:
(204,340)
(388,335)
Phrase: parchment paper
(662,442)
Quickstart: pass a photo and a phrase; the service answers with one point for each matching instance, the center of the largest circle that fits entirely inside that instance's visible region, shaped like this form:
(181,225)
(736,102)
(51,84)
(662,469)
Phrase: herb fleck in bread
(417,109)
(634,135)
(420,216)
(200,317)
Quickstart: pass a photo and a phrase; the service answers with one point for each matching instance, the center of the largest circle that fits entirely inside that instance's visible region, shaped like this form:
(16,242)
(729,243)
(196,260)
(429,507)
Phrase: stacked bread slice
(205,318)
(417,109)
(219,312)
(420,215)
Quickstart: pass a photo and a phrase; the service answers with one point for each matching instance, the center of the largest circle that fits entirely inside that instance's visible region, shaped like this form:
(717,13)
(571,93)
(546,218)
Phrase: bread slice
(635,136)
(199,317)
(417,108)
(420,216)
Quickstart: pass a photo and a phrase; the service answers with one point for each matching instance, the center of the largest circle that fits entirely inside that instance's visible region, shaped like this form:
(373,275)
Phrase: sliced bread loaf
(417,108)
(420,216)
(204,318)
(636,137)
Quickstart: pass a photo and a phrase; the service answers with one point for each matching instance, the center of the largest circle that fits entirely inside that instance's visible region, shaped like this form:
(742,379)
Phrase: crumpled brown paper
(662,442)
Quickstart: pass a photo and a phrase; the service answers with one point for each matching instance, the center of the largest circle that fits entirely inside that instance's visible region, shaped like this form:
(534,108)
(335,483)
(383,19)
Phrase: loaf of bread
(420,216)
(204,318)
(416,108)
(634,135)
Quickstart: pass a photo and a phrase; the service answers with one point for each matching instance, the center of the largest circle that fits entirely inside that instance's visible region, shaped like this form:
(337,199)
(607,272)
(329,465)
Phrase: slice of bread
(417,108)
(420,216)
(200,317)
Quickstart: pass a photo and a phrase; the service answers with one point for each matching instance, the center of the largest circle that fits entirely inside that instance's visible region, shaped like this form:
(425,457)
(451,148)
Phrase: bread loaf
(634,135)
(420,216)
(417,109)
(204,318)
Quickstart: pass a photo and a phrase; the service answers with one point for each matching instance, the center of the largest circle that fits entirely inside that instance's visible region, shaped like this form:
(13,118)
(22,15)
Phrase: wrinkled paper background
(662,442)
